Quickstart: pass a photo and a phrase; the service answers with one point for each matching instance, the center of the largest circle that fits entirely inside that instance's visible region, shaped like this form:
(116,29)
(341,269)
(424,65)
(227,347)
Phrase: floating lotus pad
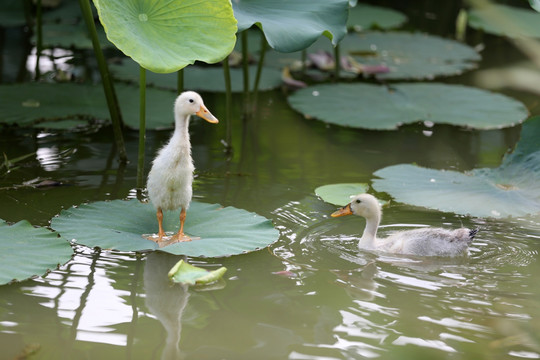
(293,25)
(198,77)
(26,251)
(31,104)
(512,189)
(410,55)
(506,20)
(185,273)
(165,36)
(386,108)
(363,17)
(340,194)
(120,225)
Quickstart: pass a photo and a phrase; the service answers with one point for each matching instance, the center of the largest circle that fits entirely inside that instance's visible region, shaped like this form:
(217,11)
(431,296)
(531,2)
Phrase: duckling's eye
(191,100)
(358,201)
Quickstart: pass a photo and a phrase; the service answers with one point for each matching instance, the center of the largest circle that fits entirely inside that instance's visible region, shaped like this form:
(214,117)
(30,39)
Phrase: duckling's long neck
(370,232)
(180,136)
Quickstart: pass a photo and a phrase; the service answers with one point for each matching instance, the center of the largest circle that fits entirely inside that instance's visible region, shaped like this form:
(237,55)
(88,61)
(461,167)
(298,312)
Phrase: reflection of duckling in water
(165,300)
(423,242)
(171,177)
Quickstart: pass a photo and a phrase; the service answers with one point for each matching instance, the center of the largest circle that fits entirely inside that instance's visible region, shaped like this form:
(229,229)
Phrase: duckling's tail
(472,233)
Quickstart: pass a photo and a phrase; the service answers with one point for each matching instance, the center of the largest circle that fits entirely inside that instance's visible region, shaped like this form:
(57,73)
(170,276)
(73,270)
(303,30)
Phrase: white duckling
(170,179)
(423,241)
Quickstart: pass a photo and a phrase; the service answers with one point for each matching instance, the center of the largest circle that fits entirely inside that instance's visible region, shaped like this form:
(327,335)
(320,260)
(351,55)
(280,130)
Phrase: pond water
(312,294)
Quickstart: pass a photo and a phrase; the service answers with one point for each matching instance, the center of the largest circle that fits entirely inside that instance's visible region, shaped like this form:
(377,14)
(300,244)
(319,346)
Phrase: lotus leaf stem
(142,127)
(108,87)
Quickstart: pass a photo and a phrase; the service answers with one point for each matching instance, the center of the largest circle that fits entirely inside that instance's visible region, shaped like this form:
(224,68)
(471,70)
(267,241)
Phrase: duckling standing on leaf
(423,242)
(170,179)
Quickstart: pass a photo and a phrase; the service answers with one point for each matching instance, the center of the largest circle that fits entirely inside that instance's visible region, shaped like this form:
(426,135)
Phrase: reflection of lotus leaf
(410,56)
(26,251)
(165,36)
(512,189)
(294,25)
(198,78)
(364,16)
(382,108)
(340,194)
(506,20)
(120,225)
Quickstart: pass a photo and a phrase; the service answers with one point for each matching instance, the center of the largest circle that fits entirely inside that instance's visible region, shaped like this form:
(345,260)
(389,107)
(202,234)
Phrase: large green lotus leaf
(293,25)
(26,251)
(363,17)
(506,20)
(410,55)
(185,273)
(120,225)
(165,36)
(36,103)
(512,189)
(198,77)
(340,194)
(382,108)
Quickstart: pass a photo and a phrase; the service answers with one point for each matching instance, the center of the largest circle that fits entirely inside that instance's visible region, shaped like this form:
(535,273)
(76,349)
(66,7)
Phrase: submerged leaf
(382,108)
(512,189)
(165,36)
(26,251)
(185,273)
(340,194)
(121,225)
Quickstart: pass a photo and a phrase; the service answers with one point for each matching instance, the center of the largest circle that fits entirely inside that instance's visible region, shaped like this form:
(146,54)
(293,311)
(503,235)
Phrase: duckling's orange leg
(180,236)
(159,215)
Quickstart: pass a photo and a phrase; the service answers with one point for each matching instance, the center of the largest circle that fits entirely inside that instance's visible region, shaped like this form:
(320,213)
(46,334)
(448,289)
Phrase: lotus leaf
(410,56)
(26,251)
(198,77)
(383,108)
(165,36)
(340,194)
(121,225)
(506,20)
(30,103)
(293,25)
(512,189)
(363,17)
(185,273)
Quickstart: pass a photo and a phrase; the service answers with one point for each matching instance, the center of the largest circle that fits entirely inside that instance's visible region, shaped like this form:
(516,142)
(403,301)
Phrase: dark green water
(312,294)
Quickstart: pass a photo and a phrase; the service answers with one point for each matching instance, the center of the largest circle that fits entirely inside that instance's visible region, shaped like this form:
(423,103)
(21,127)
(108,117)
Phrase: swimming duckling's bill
(346,210)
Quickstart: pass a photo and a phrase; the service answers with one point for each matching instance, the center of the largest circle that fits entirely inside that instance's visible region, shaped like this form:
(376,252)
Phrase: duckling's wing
(432,241)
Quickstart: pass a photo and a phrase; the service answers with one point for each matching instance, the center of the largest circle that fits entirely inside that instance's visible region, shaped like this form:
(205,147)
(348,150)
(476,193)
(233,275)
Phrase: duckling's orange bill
(206,115)
(346,210)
